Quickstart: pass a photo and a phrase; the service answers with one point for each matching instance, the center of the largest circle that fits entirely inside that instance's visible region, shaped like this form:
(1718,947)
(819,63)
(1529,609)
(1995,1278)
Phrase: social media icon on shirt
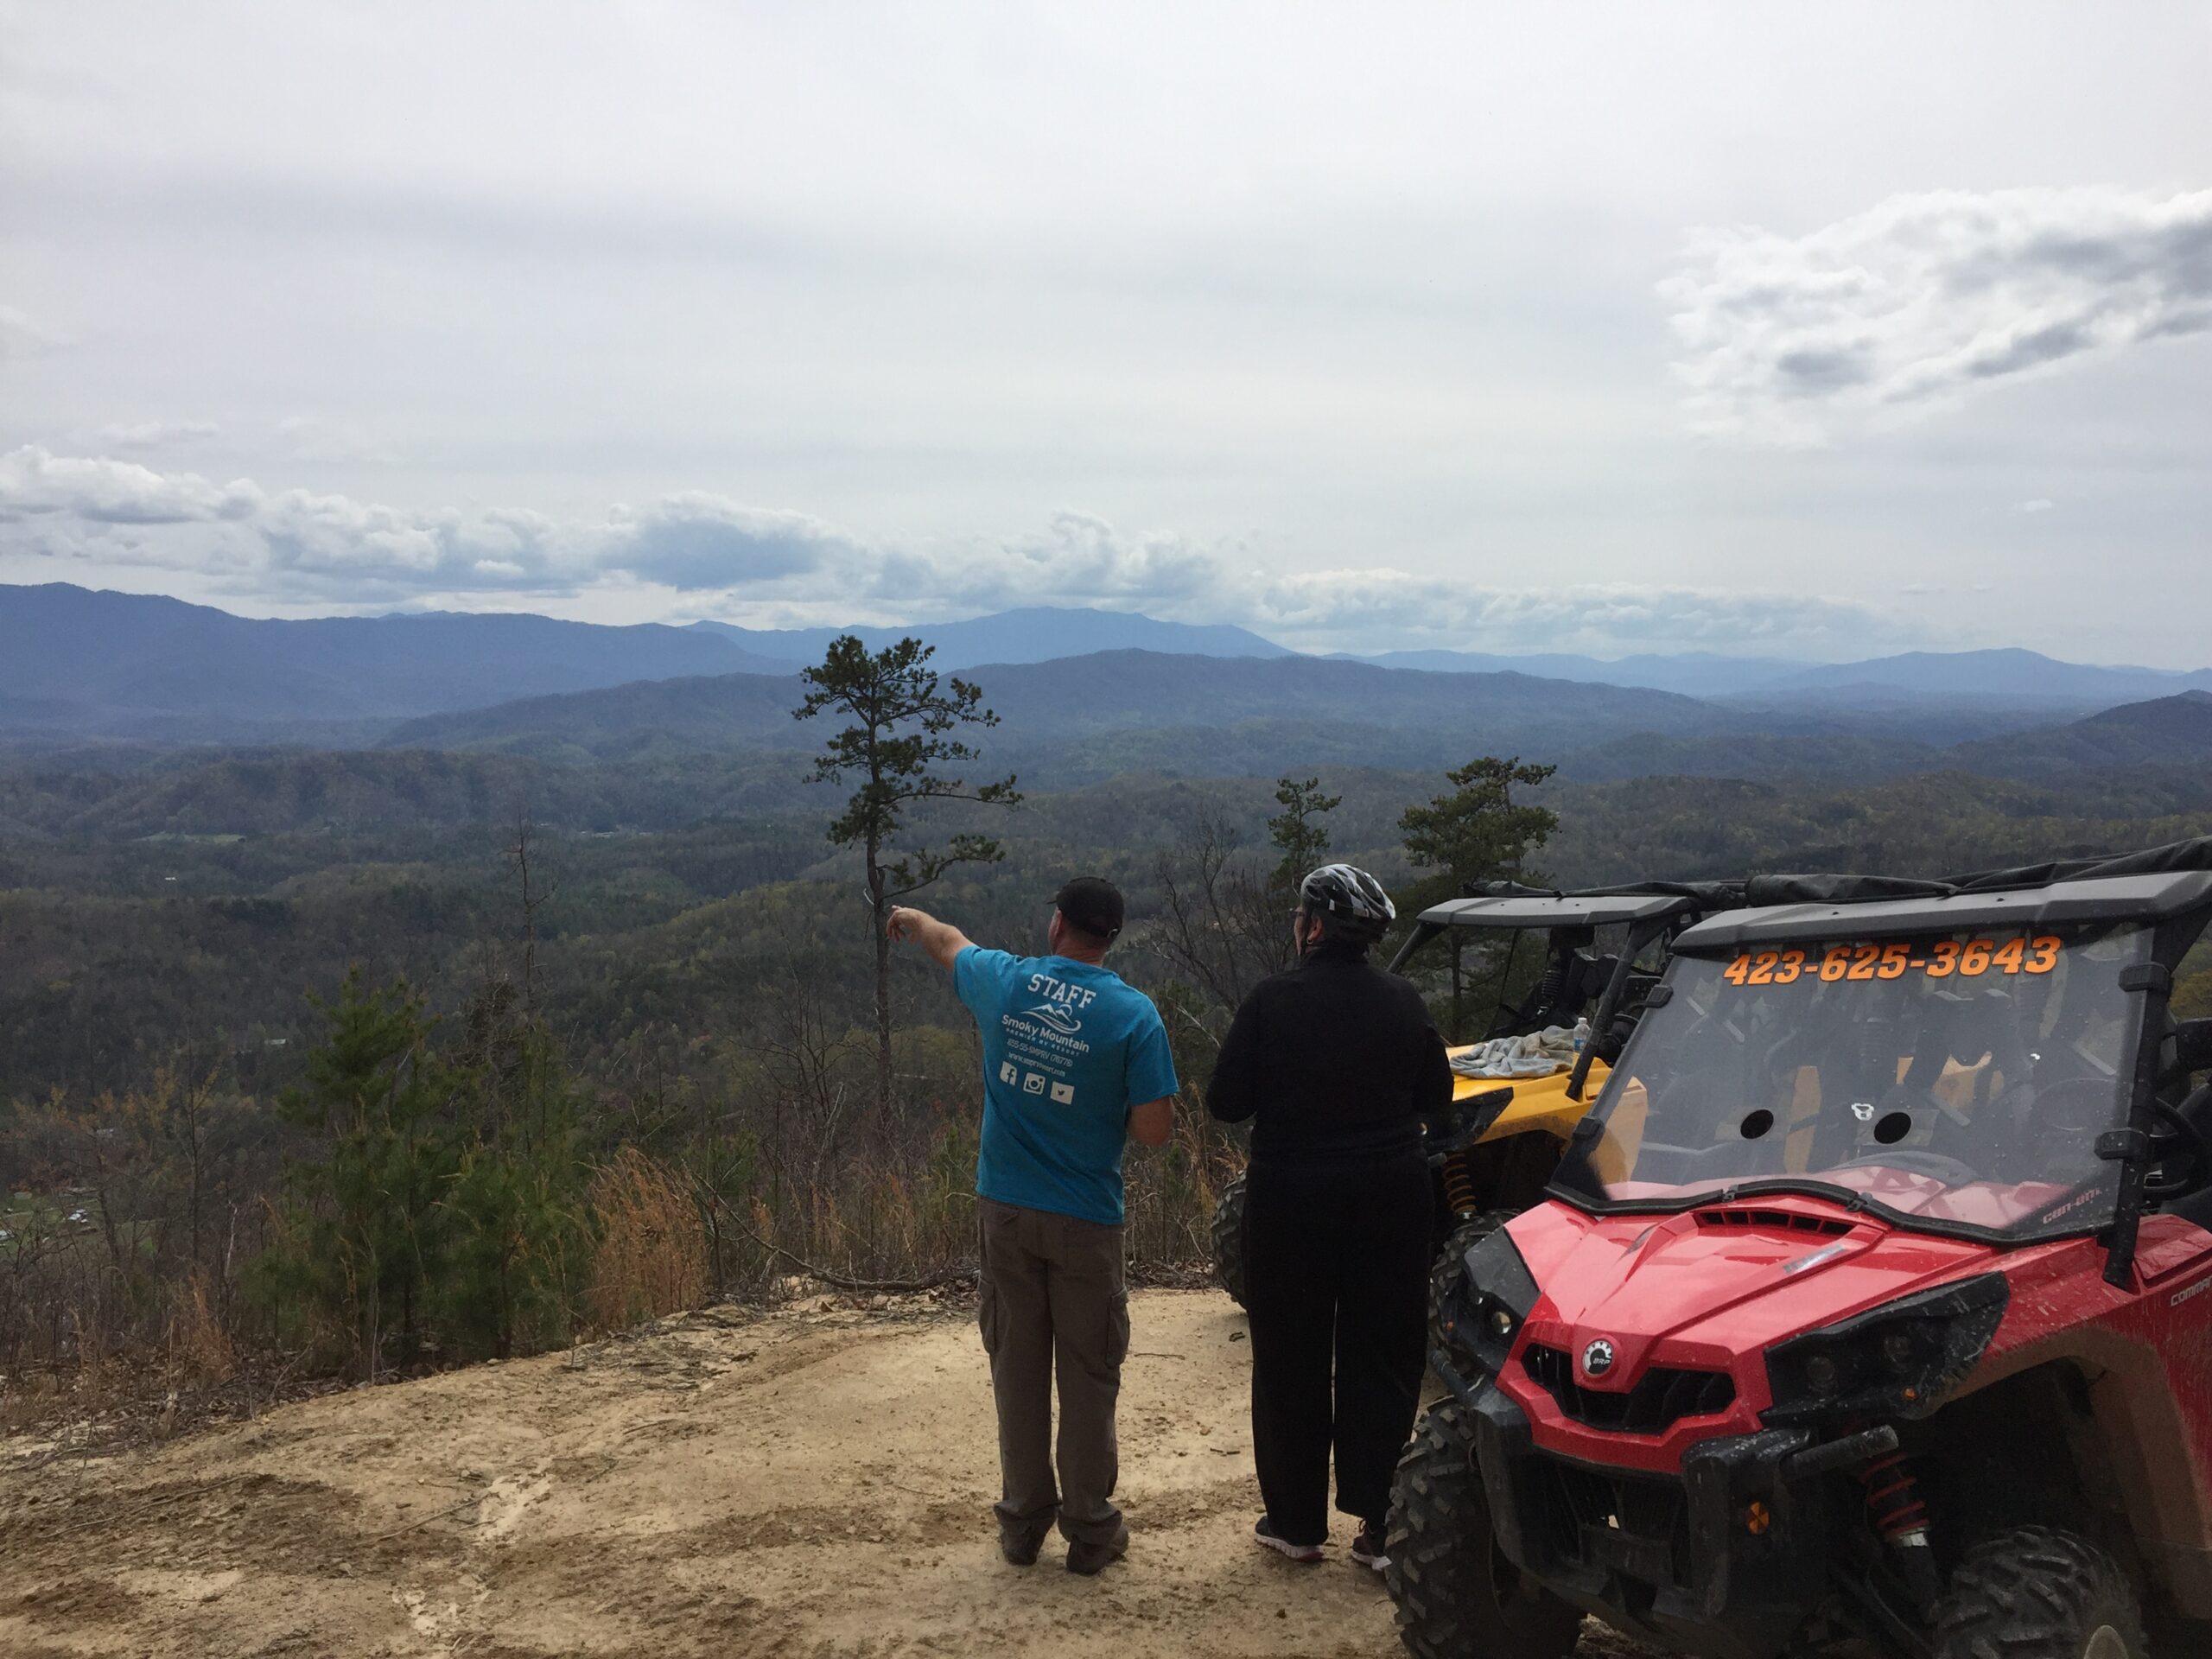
(1033,1084)
(1008,1073)
(1063,1094)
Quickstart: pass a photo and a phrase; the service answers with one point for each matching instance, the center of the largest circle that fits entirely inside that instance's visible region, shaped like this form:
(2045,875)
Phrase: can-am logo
(1597,1358)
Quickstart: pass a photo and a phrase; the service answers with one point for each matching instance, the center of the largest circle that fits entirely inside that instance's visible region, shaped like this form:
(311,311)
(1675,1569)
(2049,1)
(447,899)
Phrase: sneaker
(1265,1536)
(1367,1548)
(1020,1545)
(1088,1559)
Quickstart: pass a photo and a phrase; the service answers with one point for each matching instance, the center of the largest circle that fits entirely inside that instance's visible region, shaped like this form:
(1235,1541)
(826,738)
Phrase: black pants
(1335,1279)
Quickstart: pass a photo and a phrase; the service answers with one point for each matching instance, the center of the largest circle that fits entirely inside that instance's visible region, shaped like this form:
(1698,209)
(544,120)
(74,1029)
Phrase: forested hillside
(583,969)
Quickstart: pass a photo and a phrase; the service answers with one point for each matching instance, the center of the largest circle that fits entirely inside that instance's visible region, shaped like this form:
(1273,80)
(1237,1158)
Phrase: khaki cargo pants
(1053,1298)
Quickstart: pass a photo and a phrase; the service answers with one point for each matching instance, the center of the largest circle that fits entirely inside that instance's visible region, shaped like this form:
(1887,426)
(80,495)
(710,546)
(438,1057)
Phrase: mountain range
(2009,675)
(1035,634)
(76,663)
(1118,710)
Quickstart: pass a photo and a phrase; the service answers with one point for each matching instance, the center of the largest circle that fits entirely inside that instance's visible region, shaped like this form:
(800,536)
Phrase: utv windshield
(1960,1081)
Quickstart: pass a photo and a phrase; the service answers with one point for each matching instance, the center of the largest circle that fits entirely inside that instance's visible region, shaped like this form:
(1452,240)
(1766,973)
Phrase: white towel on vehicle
(1538,1054)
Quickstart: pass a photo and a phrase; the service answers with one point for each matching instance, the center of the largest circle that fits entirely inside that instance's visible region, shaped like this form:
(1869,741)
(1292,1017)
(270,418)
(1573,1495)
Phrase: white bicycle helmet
(1351,896)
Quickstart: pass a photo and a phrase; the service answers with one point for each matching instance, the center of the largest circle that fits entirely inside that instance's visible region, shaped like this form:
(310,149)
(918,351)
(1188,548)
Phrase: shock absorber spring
(1893,1504)
(1459,1184)
(1899,1517)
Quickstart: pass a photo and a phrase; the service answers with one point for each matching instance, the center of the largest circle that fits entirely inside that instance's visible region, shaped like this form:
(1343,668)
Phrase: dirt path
(806,1484)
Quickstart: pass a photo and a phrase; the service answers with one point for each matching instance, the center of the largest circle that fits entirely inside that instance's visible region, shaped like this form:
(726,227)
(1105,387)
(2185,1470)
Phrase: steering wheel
(1914,1161)
(2183,1140)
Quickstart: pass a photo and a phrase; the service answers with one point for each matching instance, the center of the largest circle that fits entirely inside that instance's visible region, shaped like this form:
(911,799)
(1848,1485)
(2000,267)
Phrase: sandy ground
(816,1481)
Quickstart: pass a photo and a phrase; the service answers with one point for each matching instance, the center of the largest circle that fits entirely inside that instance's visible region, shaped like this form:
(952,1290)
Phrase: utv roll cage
(1653,912)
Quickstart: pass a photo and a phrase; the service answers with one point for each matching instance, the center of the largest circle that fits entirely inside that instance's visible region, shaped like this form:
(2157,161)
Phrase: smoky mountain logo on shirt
(1048,1029)
(1055,1016)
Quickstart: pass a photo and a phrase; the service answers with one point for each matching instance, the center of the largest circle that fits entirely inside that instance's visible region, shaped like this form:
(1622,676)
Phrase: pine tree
(898,740)
(1297,829)
(1476,833)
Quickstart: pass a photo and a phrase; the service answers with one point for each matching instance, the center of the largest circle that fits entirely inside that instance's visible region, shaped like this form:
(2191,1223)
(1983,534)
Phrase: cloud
(154,434)
(20,336)
(1077,559)
(1374,608)
(694,542)
(104,491)
(1924,299)
(2041,504)
(332,543)
(709,556)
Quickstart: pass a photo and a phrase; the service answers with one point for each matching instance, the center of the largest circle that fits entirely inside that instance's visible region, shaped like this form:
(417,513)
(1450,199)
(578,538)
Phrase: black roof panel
(1532,909)
(2145,897)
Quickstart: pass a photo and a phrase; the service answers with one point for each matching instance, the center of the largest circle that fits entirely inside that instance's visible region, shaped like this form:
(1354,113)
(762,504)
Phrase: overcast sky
(1811,331)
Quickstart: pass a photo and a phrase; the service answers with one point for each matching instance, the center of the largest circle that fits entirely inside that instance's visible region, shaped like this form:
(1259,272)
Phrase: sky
(1811,332)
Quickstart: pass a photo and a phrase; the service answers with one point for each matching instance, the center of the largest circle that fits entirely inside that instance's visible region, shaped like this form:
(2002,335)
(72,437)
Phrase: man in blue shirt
(1075,1061)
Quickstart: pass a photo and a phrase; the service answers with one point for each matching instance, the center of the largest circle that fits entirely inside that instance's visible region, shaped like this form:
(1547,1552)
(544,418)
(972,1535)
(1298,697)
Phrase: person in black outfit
(1336,1063)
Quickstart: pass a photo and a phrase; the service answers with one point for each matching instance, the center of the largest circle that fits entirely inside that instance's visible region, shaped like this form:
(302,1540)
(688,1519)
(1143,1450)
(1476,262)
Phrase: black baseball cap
(1092,904)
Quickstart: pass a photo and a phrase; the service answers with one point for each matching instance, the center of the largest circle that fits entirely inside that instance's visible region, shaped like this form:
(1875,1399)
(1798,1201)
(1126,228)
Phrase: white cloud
(2041,504)
(106,491)
(1925,298)
(707,555)
(694,541)
(22,337)
(1379,608)
(1077,559)
(154,434)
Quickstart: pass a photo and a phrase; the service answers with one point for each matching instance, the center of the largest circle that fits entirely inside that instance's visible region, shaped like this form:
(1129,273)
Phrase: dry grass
(652,1258)
(199,1344)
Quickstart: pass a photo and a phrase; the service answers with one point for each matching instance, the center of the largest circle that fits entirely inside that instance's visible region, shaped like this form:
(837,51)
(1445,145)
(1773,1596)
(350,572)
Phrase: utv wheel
(2035,1593)
(1229,1239)
(1457,1594)
(1447,1265)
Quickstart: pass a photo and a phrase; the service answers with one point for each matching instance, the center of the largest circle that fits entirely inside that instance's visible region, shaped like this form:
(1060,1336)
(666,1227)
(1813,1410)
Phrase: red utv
(1871,1304)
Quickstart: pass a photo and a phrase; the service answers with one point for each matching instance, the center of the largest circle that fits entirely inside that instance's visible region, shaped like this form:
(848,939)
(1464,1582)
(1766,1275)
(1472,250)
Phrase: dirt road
(815,1483)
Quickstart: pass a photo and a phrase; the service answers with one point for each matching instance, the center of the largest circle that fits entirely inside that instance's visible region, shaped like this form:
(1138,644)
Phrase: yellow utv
(1555,1015)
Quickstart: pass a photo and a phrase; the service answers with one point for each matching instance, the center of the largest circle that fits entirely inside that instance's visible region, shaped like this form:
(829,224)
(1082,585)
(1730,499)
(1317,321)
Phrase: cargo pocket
(987,1316)
(1117,1329)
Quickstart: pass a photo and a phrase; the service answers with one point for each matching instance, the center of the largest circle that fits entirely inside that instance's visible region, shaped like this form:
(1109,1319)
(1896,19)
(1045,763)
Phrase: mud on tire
(2035,1593)
(1229,1239)
(1446,1268)
(1455,1592)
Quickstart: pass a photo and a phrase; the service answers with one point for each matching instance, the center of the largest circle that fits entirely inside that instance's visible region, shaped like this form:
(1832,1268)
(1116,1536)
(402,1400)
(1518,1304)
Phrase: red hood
(1710,1289)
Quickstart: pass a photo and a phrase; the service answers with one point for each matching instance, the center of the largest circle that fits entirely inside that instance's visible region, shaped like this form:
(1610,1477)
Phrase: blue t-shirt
(1068,1048)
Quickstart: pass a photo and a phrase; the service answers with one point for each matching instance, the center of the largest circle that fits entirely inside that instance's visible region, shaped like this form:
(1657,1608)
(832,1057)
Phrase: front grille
(1626,1523)
(1660,1399)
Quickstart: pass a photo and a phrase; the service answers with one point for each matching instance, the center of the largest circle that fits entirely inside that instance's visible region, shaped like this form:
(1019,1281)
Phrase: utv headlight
(1901,1359)
(1491,1293)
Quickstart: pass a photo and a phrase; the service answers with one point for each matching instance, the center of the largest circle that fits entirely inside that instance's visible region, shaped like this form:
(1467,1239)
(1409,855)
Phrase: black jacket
(1334,1058)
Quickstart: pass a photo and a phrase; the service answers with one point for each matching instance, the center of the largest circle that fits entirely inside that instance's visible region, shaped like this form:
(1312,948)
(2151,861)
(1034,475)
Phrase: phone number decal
(1941,960)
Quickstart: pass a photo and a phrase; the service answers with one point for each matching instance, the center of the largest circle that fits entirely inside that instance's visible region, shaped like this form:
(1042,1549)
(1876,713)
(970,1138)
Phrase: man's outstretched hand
(943,942)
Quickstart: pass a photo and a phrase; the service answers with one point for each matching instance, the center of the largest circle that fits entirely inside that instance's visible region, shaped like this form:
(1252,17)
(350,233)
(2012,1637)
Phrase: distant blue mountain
(1693,674)
(2012,673)
(2009,677)
(74,659)
(1037,634)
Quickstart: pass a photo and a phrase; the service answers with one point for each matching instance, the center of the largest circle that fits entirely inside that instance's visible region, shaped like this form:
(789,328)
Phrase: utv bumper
(1727,1559)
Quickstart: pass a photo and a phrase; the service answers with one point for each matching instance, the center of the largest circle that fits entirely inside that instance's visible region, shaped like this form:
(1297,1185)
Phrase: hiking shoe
(1087,1557)
(1265,1536)
(1367,1548)
(1020,1545)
